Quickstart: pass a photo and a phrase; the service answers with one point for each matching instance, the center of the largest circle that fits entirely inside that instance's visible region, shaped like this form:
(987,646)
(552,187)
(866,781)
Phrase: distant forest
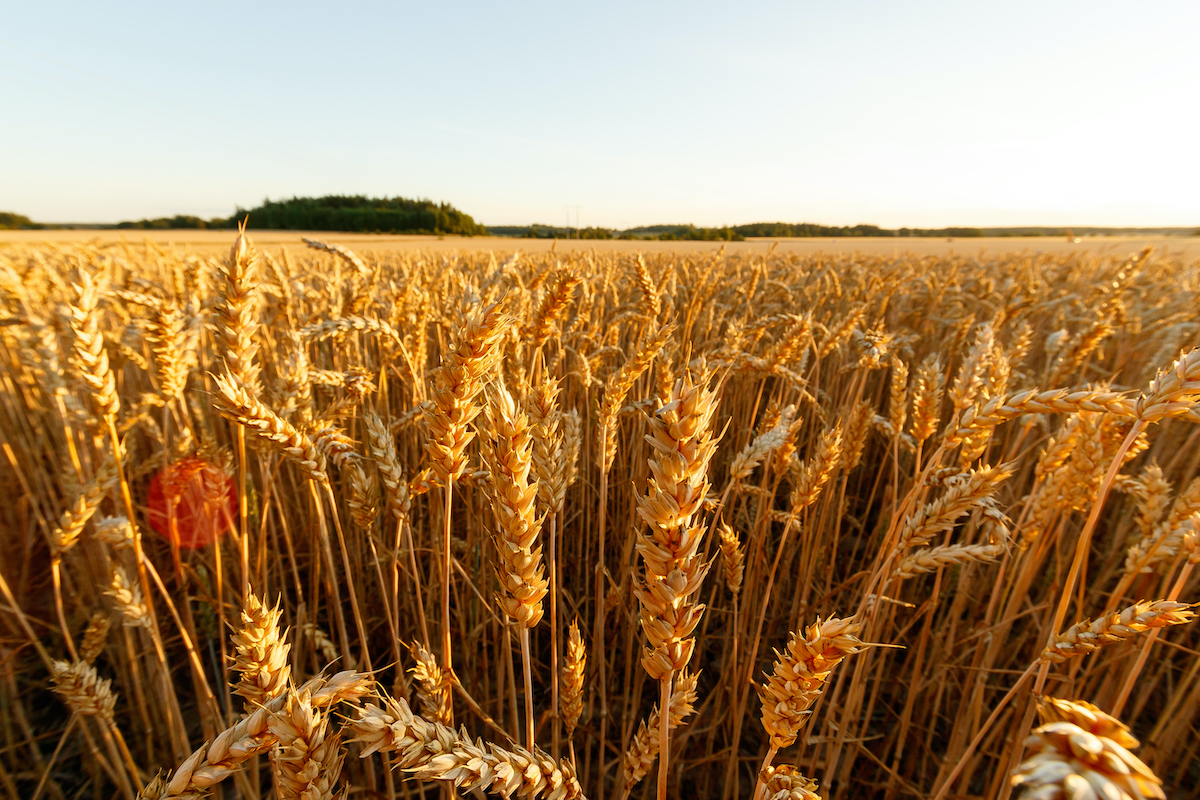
(15,222)
(356,213)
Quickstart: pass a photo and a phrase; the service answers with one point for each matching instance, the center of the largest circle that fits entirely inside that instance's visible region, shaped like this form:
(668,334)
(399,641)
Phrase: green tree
(11,221)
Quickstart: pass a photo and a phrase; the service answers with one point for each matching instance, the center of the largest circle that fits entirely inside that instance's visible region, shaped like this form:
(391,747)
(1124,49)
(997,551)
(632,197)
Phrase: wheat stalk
(644,748)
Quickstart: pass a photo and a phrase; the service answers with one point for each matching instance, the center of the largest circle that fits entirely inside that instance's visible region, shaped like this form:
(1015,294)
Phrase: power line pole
(568,210)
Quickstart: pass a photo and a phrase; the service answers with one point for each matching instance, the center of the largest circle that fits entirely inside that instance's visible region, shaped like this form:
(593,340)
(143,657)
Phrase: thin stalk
(54,756)
(143,568)
(335,599)
(358,617)
(556,745)
(760,787)
(219,577)
(56,578)
(598,648)
(243,512)
(121,768)
(447,655)
(664,733)
(991,720)
(528,670)
(420,590)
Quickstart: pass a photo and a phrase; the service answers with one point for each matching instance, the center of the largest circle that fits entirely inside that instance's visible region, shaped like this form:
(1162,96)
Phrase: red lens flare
(203,498)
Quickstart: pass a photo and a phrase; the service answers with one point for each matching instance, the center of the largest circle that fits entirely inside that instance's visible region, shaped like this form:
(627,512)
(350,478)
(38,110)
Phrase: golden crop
(286,526)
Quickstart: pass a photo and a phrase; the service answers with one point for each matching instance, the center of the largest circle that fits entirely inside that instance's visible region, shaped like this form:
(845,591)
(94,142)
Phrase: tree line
(350,213)
(10,221)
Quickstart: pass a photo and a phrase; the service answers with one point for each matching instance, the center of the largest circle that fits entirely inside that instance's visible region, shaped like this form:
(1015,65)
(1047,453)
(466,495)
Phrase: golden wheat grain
(1088,636)
(572,679)
(964,493)
(615,390)
(809,478)
(435,689)
(307,756)
(510,461)
(935,558)
(786,782)
(435,752)
(928,387)
(457,383)
(682,445)
(1173,392)
(1088,717)
(237,314)
(127,597)
(262,654)
(733,558)
(84,692)
(227,753)
(1067,761)
(95,637)
(235,402)
(800,673)
(73,520)
(91,358)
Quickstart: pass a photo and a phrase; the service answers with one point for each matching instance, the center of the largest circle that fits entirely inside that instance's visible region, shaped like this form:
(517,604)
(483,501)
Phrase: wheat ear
(682,445)
(799,676)
(83,690)
(225,754)
(434,684)
(572,679)
(1088,636)
(262,654)
(1068,761)
(553,306)
(431,751)
(95,636)
(514,495)
(786,782)
(238,313)
(306,756)
(235,402)
(91,358)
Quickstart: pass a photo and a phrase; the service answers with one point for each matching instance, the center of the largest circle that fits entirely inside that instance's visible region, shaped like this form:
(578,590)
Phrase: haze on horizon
(924,114)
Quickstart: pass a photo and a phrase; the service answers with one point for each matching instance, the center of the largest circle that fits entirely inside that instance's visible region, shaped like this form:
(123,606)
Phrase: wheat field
(211,242)
(424,521)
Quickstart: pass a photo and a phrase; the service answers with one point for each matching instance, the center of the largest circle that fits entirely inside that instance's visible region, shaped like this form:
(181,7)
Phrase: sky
(614,114)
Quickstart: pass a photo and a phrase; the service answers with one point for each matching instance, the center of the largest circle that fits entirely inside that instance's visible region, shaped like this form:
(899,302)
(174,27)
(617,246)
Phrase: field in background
(849,514)
(218,241)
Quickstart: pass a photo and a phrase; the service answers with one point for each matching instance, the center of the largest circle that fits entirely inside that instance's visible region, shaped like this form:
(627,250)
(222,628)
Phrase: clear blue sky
(894,113)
